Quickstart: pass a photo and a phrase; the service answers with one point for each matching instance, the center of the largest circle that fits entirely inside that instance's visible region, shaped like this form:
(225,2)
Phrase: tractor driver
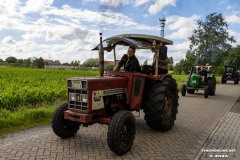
(204,73)
(129,61)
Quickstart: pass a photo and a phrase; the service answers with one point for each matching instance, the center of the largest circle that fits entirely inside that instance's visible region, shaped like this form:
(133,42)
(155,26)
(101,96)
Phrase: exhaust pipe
(101,57)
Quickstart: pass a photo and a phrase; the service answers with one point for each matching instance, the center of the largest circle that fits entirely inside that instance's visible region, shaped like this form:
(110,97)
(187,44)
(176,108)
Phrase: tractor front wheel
(121,132)
(183,91)
(212,86)
(63,128)
(206,92)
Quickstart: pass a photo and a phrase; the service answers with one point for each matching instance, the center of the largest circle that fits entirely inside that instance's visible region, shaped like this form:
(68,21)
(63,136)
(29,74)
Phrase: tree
(27,62)
(20,61)
(66,64)
(209,40)
(190,60)
(1,60)
(57,62)
(92,62)
(185,65)
(178,68)
(11,60)
(109,67)
(171,60)
(170,64)
(145,62)
(38,62)
(233,57)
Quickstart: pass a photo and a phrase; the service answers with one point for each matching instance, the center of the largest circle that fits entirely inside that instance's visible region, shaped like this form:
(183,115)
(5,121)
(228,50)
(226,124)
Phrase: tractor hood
(98,83)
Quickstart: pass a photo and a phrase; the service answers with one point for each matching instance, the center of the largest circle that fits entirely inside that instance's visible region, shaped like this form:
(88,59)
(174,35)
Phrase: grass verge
(24,119)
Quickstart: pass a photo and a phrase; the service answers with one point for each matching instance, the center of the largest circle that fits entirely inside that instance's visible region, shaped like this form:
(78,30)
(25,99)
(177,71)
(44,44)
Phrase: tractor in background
(110,98)
(200,78)
(230,74)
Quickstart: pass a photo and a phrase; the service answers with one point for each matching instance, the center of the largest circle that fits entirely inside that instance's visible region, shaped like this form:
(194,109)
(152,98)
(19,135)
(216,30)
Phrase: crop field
(28,87)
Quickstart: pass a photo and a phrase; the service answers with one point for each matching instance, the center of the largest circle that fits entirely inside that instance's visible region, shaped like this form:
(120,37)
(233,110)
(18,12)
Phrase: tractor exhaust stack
(101,57)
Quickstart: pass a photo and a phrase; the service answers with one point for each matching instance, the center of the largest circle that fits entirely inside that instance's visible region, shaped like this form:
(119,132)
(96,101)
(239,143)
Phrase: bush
(109,67)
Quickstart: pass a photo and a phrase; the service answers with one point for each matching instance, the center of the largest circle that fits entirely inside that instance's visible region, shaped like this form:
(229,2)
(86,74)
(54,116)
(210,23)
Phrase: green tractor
(200,78)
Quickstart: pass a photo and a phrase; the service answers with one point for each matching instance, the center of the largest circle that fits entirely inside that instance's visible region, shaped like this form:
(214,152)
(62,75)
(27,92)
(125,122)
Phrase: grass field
(28,97)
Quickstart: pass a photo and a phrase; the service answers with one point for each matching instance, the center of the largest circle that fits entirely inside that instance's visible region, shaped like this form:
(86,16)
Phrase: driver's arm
(120,63)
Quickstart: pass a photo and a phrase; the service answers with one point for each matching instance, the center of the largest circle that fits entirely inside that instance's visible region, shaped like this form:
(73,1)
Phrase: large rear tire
(63,128)
(212,86)
(160,104)
(121,132)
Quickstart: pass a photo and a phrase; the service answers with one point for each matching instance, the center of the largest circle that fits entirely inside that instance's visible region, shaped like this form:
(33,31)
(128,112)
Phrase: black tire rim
(67,124)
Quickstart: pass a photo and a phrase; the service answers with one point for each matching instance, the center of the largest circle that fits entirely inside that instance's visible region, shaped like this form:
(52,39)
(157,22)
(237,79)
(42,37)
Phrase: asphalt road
(196,120)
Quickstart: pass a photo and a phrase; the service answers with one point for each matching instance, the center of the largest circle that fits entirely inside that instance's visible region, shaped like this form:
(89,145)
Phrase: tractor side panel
(129,76)
(137,91)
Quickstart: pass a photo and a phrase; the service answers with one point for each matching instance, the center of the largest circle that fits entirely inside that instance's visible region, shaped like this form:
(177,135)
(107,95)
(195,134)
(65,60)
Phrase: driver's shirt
(131,64)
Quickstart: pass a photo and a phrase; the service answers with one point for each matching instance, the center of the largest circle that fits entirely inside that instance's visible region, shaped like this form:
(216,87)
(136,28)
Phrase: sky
(67,30)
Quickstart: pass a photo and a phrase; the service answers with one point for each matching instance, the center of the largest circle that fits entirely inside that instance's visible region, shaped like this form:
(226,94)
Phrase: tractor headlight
(84,98)
(72,97)
(76,84)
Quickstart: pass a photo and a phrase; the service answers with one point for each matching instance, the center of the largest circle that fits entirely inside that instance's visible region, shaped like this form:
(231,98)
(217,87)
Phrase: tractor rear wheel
(212,86)
(160,104)
(206,92)
(121,132)
(63,128)
(183,91)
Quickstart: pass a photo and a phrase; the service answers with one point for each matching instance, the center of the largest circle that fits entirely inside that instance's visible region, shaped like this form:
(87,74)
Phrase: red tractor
(110,98)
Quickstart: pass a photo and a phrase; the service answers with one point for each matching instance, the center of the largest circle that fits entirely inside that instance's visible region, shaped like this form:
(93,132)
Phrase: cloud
(236,36)
(36,6)
(233,19)
(140,2)
(222,2)
(114,3)
(158,5)
(101,19)
(178,51)
(9,8)
(183,26)
(8,40)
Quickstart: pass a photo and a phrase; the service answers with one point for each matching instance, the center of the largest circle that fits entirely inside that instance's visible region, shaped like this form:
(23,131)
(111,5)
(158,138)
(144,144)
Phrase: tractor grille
(76,100)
